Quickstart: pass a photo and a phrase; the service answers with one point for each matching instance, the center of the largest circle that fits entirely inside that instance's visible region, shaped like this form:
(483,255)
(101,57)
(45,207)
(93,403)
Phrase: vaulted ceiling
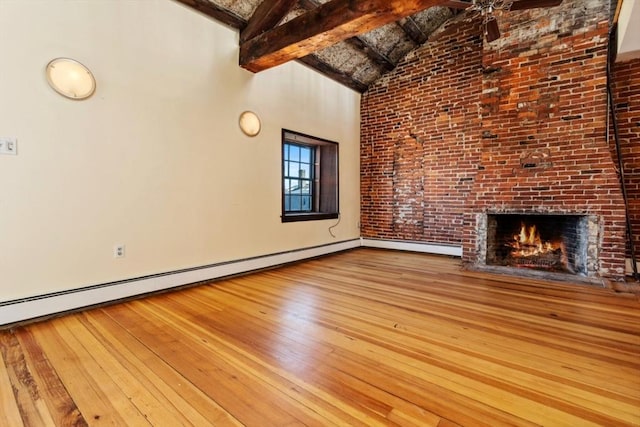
(351,41)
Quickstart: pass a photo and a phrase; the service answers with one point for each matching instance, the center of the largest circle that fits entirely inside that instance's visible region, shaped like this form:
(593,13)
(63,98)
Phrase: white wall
(155,159)
(628,31)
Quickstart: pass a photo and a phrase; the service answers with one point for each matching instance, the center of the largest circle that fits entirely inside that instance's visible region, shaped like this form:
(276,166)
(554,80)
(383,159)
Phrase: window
(309,177)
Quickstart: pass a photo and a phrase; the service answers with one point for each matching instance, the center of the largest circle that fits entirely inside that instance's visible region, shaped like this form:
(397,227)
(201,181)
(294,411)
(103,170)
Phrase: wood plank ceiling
(351,41)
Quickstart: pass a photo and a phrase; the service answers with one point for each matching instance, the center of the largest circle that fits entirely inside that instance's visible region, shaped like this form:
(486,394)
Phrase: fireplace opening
(553,243)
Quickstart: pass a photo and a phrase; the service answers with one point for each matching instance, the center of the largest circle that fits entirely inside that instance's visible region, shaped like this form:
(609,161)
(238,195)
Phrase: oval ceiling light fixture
(250,123)
(70,78)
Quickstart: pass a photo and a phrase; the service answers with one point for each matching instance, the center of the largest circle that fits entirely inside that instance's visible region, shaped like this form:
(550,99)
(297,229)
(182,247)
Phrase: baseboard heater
(25,309)
(59,302)
(430,248)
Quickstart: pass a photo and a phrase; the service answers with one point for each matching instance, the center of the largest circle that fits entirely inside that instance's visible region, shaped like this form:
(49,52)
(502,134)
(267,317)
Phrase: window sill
(312,216)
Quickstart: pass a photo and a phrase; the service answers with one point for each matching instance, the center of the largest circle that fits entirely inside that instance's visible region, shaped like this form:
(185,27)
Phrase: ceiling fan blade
(532,4)
(493,31)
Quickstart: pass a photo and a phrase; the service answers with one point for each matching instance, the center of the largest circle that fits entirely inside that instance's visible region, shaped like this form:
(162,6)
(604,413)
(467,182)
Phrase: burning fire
(528,243)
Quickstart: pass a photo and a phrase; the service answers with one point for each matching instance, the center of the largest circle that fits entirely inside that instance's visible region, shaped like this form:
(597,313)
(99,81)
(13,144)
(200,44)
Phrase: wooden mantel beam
(324,26)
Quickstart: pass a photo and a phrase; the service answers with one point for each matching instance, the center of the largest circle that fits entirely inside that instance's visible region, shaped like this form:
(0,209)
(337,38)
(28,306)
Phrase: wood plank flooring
(362,338)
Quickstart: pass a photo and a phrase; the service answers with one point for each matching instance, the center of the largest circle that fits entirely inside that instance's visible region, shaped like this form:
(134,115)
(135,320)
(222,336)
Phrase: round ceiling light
(250,123)
(70,78)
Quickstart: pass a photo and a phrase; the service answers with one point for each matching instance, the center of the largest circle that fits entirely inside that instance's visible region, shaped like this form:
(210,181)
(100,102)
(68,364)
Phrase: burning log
(528,250)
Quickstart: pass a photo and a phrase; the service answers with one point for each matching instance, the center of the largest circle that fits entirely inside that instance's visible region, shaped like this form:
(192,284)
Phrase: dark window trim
(311,216)
(290,136)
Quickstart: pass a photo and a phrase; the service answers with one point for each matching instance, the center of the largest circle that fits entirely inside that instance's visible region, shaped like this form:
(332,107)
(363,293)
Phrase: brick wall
(453,131)
(626,77)
(420,142)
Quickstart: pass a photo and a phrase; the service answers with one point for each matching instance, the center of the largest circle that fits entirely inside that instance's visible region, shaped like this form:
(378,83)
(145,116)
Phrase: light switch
(8,145)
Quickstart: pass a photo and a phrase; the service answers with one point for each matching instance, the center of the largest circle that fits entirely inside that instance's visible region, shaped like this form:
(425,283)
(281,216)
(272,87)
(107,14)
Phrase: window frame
(310,180)
(325,182)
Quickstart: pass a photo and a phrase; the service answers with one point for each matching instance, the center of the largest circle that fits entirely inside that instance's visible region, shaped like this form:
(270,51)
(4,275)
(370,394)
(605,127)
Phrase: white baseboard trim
(60,302)
(430,248)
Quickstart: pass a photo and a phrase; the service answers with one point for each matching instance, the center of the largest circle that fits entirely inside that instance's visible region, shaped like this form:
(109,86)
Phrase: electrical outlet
(8,145)
(118,251)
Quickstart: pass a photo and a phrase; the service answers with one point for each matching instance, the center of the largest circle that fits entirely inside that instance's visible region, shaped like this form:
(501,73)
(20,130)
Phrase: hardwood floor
(366,337)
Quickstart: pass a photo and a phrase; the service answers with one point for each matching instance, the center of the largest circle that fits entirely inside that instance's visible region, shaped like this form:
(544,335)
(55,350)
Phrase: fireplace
(554,243)
(546,245)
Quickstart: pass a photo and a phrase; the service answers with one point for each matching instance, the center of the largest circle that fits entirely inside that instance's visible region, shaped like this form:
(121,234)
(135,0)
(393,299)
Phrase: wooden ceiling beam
(324,26)
(358,42)
(343,78)
(413,30)
(215,12)
(311,61)
(266,16)
(309,4)
(374,54)
(457,4)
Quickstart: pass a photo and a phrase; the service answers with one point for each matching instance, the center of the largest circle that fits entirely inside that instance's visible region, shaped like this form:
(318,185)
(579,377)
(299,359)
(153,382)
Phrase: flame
(528,243)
